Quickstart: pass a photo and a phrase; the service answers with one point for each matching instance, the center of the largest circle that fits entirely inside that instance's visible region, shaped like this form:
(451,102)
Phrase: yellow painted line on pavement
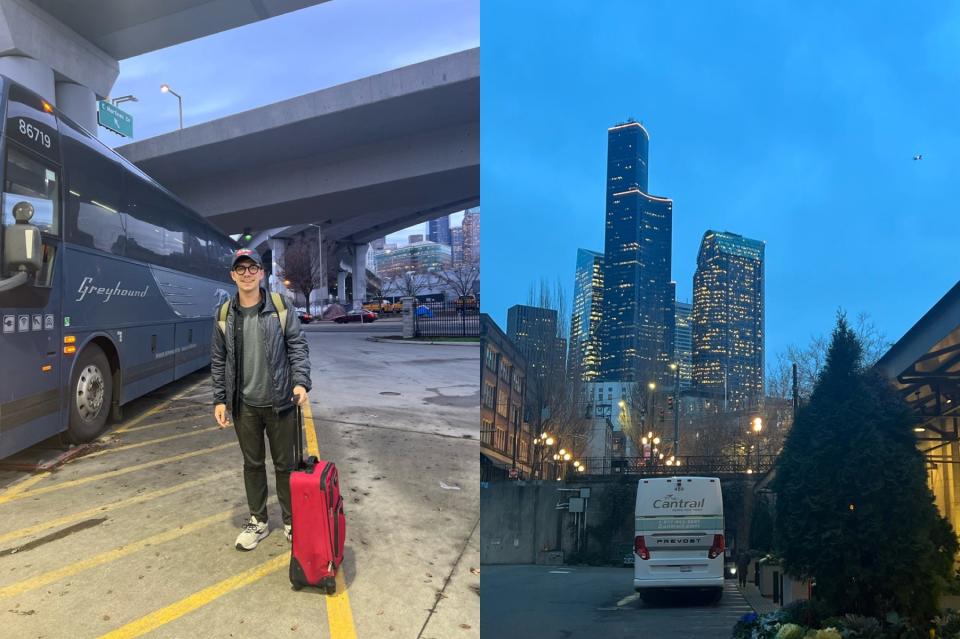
(181,420)
(72,568)
(339,613)
(75,517)
(159,407)
(24,484)
(159,440)
(113,473)
(197,600)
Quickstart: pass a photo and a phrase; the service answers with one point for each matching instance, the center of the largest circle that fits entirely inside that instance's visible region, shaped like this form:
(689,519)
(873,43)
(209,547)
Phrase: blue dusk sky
(791,123)
(289,55)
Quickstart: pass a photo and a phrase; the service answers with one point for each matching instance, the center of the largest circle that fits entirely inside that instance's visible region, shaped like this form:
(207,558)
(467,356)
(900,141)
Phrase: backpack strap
(281,305)
(278,303)
(222,316)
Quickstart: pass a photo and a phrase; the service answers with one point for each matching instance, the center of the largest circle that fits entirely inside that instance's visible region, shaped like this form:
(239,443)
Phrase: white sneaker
(288,532)
(253,533)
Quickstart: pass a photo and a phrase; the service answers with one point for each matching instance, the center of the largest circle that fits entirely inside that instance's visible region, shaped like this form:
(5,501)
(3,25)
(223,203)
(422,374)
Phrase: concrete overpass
(358,161)
(68,52)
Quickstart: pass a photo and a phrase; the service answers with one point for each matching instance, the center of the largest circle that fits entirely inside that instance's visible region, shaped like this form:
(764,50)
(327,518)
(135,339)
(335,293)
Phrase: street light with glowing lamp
(757,427)
(165,88)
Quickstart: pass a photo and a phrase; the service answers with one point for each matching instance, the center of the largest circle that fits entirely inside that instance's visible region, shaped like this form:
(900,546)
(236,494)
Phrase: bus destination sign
(116,120)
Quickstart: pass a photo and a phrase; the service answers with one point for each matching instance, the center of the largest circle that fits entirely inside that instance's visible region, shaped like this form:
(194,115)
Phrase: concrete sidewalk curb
(414,341)
(758,602)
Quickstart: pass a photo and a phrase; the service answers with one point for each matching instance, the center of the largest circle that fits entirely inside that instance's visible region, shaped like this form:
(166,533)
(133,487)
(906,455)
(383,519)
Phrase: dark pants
(251,422)
(742,576)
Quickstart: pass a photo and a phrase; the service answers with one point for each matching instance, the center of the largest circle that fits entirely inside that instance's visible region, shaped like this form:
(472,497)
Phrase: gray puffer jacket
(286,351)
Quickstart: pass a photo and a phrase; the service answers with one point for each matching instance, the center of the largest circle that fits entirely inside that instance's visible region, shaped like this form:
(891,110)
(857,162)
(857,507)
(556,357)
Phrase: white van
(679,535)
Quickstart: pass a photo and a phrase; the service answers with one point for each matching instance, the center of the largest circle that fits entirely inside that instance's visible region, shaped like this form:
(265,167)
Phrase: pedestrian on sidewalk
(260,365)
(743,564)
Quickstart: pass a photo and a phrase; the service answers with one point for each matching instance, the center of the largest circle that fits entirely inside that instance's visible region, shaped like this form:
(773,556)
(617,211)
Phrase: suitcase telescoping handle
(311,461)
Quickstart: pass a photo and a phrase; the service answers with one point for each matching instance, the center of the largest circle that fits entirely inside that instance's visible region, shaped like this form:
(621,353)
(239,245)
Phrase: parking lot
(135,535)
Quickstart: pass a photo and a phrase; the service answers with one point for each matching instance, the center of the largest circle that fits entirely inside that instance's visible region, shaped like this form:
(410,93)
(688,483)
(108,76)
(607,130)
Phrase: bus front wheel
(91,389)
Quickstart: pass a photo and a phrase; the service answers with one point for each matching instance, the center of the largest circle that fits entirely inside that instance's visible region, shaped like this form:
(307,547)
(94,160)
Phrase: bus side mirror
(22,254)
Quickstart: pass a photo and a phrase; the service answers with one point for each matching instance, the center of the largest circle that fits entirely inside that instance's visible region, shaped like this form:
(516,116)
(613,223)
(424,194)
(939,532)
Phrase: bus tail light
(717,548)
(640,547)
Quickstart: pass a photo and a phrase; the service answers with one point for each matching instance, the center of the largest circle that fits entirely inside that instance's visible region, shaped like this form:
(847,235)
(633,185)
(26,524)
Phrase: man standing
(743,564)
(261,369)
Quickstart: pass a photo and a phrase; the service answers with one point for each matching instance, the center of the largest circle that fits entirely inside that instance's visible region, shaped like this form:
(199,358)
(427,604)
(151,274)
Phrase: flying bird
(918,156)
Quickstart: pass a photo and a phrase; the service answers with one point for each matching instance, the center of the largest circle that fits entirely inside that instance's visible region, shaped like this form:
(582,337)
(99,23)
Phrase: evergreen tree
(853,508)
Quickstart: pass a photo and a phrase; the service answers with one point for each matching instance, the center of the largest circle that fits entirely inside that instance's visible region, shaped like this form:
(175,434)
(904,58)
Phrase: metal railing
(446,319)
(689,465)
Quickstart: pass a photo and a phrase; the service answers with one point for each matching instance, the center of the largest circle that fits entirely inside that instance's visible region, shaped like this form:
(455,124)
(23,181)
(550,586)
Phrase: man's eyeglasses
(253,269)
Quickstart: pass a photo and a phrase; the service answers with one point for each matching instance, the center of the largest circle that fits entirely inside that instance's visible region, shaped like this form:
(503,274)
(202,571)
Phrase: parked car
(356,316)
(304,315)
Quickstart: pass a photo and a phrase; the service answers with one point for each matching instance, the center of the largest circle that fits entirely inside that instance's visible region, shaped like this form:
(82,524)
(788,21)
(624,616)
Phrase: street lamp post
(757,427)
(166,89)
(676,409)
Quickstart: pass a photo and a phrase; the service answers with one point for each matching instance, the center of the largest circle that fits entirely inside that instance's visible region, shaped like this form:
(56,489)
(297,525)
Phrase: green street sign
(114,119)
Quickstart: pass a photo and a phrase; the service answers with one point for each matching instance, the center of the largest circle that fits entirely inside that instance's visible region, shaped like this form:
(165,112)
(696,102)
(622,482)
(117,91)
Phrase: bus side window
(92,211)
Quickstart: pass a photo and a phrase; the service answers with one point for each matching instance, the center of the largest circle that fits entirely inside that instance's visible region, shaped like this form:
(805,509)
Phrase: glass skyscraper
(637,328)
(533,330)
(584,360)
(728,319)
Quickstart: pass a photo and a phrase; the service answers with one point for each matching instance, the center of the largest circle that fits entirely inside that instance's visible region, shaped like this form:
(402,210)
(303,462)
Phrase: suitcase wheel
(329,584)
(297,587)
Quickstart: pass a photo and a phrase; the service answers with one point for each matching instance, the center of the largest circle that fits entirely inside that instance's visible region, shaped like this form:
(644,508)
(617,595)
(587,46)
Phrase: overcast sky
(286,56)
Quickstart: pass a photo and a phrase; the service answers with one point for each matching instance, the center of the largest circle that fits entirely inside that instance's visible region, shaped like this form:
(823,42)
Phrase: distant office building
(420,257)
(534,331)
(728,319)
(613,427)
(637,327)
(438,230)
(378,244)
(505,436)
(456,245)
(415,239)
(471,235)
(585,322)
(683,343)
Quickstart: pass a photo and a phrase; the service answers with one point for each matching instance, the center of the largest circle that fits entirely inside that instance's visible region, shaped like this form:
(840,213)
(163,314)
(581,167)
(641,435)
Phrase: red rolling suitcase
(319,527)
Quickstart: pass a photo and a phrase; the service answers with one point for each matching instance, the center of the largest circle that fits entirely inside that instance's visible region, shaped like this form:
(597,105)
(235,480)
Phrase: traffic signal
(661,414)
(670,402)
(246,237)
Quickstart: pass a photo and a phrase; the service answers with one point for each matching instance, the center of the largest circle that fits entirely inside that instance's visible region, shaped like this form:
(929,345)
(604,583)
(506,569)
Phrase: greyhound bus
(108,282)
(678,543)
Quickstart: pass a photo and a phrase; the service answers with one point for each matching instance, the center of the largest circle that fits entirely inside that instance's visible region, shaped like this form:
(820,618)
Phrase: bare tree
(301,268)
(409,284)
(811,359)
(461,278)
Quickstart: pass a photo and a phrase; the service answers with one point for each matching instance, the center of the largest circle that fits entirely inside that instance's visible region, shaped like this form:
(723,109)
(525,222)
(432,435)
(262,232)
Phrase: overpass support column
(342,287)
(35,48)
(35,75)
(277,247)
(79,103)
(322,293)
(359,274)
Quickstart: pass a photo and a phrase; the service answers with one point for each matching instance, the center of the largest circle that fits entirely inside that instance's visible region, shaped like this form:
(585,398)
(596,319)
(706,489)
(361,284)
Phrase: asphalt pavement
(135,535)
(584,602)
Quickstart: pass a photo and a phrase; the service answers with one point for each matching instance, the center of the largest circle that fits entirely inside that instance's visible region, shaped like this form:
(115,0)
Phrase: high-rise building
(534,331)
(637,329)
(683,343)
(438,230)
(728,319)
(471,235)
(414,239)
(456,244)
(421,257)
(585,322)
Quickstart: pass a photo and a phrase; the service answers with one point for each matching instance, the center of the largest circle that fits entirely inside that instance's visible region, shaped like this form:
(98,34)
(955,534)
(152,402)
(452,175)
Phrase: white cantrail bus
(678,542)
(108,282)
